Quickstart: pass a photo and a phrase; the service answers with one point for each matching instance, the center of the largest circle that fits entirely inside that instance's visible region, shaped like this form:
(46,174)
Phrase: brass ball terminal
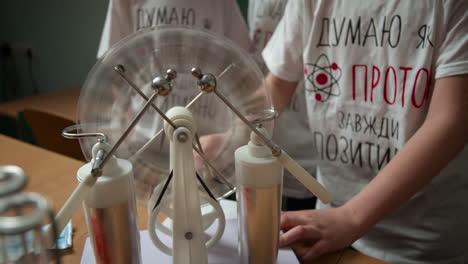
(162,85)
(171,74)
(120,68)
(206,82)
(196,72)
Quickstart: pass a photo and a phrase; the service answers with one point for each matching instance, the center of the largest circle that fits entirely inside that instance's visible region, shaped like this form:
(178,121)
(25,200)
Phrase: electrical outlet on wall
(17,49)
(17,61)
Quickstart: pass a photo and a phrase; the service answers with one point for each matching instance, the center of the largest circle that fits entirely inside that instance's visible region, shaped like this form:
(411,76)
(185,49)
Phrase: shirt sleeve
(118,24)
(252,6)
(283,53)
(452,53)
(105,35)
(235,27)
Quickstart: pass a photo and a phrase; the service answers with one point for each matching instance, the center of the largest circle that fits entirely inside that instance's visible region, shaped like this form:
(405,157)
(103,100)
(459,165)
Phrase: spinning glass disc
(109,101)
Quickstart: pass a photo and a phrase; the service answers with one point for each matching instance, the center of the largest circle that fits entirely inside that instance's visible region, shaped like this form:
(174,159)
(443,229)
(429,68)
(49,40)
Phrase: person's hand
(218,149)
(211,145)
(323,231)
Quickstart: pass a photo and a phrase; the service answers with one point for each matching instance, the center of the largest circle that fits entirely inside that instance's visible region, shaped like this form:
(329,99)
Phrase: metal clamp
(66,134)
(270,114)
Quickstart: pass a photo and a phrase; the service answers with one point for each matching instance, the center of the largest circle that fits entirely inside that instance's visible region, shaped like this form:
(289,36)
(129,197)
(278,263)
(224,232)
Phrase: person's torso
(150,13)
(369,74)
(291,129)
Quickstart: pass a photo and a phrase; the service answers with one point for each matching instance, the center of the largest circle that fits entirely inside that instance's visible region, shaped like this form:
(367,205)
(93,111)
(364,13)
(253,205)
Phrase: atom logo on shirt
(324,78)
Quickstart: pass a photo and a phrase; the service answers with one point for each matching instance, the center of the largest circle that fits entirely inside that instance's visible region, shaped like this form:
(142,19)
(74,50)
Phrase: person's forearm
(425,154)
(281,91)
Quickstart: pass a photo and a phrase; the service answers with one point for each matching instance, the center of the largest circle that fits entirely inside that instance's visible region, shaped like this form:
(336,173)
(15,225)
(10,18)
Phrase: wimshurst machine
(188,116)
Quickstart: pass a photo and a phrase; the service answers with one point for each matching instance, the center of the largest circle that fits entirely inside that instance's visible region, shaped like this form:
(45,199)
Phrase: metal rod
(138,90)
(224,180)
(225,70)
(198,151)
(120,70)
(197,140)
(133,85)
(194,100)
(125,134)
(161,142)
(97,164)
(206,160)
(202,93)
(146,145)
(275,150)
(162,130)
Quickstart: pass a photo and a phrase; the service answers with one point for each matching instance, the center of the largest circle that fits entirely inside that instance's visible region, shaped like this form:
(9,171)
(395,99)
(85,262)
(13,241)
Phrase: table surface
(54,176)
(62,103)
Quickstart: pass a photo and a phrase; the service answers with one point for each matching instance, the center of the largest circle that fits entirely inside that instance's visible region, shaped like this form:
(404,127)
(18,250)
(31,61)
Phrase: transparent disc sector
(108,103)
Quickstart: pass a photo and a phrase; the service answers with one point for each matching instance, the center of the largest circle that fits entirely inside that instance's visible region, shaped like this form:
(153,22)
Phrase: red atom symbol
(321,78)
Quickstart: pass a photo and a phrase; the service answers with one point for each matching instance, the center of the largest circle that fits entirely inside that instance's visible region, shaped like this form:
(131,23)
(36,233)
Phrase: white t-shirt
(291,129)
(126,17)
(369,68)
